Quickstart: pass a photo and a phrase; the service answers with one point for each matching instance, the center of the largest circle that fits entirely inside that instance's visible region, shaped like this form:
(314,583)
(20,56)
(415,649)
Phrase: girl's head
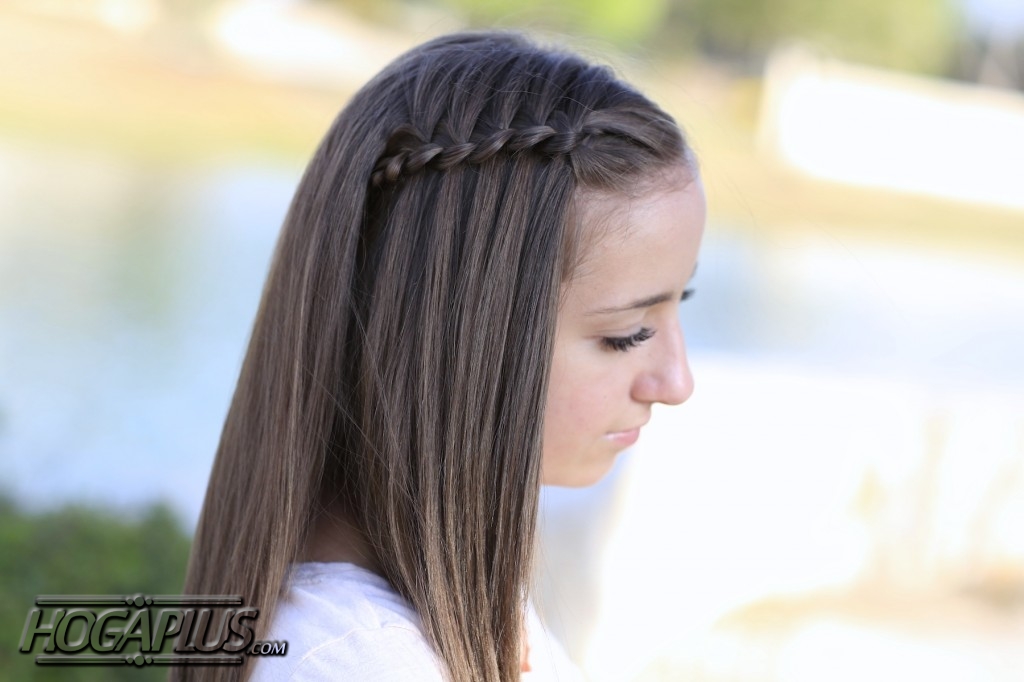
(478,274)
(529,164)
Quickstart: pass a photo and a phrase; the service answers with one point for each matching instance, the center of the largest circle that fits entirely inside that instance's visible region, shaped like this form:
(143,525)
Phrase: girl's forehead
(643,243)
(612,211)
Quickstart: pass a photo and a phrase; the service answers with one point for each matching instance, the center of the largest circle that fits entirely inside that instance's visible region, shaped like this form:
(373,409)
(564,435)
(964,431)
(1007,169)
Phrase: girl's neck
(333,538)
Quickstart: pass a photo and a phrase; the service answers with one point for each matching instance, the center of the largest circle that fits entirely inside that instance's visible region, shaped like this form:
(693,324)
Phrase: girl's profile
(475,292)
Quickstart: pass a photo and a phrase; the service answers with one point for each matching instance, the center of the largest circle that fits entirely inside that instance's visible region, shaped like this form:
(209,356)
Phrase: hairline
(585,238)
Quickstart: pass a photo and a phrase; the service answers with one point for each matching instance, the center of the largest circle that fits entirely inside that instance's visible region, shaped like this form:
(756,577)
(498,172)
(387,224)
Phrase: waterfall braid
(399,361)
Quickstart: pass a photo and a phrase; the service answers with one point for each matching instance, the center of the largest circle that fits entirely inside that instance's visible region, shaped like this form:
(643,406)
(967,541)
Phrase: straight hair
(399,360)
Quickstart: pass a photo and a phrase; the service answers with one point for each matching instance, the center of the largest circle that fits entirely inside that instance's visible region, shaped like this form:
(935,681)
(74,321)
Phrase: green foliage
(916,35)
(81,550)
(622,23)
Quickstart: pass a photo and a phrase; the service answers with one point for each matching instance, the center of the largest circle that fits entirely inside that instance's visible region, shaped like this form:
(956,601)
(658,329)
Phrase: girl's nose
(667,378)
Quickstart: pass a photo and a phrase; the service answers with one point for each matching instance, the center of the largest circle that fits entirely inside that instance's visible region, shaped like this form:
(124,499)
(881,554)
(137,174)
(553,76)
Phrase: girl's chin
(582,476)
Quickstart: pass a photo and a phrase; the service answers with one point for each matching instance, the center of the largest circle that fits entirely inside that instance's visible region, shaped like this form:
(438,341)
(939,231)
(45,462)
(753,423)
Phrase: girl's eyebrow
(646,302)
(641,303)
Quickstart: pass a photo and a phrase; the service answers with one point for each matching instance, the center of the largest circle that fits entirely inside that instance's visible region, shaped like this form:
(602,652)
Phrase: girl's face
(619,345)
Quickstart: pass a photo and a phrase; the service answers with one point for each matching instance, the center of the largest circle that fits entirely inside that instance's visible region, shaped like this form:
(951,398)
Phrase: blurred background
(842,498)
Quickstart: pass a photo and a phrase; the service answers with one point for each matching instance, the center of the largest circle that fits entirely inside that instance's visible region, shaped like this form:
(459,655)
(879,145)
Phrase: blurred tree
(991,59)
(916,35)
(81,550)
(622,23)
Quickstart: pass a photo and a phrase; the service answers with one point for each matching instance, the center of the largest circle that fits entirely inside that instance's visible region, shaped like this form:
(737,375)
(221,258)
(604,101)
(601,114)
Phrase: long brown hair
(399,360)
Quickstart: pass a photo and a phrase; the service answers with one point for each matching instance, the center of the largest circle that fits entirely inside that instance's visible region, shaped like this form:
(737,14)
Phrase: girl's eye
(687,294)
(624,343)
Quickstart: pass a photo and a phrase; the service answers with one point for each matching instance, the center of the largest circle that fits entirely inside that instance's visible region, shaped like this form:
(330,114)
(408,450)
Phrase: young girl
(475,292)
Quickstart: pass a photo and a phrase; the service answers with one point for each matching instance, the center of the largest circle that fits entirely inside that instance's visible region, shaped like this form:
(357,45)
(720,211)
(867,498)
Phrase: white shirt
(343,622)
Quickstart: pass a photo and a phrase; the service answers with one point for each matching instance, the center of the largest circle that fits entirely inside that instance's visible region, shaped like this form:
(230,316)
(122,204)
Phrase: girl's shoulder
(342,622)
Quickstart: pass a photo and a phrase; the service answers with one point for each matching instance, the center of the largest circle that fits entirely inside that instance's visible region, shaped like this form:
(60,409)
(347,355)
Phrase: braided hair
(593,111)
(399,362)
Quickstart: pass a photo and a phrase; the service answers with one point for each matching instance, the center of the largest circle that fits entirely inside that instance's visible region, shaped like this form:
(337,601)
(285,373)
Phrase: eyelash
(624,343)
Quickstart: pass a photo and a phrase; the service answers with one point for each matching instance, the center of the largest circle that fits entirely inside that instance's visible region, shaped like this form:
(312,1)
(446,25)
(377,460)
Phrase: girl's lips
(624,438)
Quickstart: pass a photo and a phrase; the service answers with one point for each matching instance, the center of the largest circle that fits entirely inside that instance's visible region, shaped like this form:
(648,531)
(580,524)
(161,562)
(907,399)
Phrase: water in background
(126,297)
